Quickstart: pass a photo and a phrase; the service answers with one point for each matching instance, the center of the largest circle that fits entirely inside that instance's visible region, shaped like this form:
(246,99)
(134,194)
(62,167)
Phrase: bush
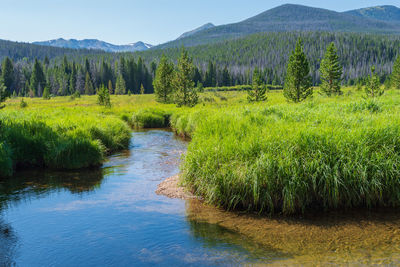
(150,118)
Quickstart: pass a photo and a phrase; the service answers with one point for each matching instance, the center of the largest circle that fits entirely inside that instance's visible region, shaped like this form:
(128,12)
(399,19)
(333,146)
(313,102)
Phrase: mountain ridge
(201,28)
(387,13)
(290,17)
(94,44)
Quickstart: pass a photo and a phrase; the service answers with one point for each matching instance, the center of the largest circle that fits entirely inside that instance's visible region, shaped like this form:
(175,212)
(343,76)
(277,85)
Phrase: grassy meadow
(274,156)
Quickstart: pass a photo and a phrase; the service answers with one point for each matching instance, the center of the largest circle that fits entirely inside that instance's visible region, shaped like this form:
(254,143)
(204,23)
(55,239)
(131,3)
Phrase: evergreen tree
(197,76)
(89,90)
(120,87)
(38,79)
(210,79)
(3,94)
(46,93)
(72,80)
(226,78)
(103,96)
(331,72)
(153,68)
(110,87)
(142,91)
(373,86)
(7,74)
(46,61)
(259,89)
(395,79)
(298,80)
(163,80)
(185,92)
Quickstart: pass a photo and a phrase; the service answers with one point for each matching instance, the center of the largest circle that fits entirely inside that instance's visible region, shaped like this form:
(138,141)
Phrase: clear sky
(127,21)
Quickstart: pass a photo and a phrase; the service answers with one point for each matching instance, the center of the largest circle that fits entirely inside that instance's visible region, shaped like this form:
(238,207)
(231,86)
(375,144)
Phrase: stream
(112,217)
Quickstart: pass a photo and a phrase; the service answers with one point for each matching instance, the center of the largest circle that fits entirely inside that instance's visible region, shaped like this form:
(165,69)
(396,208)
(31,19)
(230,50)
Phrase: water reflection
(335,238)
(8,244)
(33,184)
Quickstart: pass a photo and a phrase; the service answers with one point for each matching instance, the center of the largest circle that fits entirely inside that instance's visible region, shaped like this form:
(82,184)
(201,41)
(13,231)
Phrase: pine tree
(3,94)
(211,75)
(46,61)
(163,80)
(120,86)
(72,80)
(89,90)
(38,80)
(298,80)
(395,79)
(226,78)
(46,93)
(103,96)
(110,87)
(185,92)
(373,86)
(7,74)
(142,91)
(259,89)
(331,72)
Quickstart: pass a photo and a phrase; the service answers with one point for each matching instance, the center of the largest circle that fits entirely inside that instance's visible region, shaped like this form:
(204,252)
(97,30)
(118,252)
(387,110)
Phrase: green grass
(326,153)
(322,154)
(58,138)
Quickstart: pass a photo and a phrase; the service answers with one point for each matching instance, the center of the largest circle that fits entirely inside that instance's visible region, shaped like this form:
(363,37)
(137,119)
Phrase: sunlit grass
(274,156)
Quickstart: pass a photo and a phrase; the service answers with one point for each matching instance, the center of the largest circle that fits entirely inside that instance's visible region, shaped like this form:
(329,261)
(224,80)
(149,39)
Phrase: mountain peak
(199,29)
(95,44)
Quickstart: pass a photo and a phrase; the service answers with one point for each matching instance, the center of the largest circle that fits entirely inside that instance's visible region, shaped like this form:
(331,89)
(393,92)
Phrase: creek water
(112,217)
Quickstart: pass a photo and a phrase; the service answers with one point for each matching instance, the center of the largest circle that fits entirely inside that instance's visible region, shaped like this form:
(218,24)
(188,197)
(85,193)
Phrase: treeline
(229,63)
(270,53)
(67,77)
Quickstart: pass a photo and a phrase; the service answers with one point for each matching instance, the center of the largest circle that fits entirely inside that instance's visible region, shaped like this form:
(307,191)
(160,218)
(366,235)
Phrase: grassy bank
(326,153)
(58,138)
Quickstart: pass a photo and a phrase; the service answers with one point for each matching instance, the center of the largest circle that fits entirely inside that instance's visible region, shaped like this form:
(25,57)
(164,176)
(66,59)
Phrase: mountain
(95,44)
(21,51)
(288,18)
(383,13)
(204,27)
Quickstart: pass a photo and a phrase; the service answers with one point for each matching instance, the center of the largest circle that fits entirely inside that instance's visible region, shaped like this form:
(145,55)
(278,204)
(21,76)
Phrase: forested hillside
(288,18)
(385,13)
(19,51)
(270,52)
(228,63)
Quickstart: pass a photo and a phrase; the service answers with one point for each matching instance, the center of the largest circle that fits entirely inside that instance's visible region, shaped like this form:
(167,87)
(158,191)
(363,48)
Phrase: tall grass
(292,158)
(326,153)
(58,140)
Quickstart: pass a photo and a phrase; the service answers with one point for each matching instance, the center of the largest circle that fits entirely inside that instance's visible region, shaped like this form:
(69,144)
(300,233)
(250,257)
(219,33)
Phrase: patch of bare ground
(170,188)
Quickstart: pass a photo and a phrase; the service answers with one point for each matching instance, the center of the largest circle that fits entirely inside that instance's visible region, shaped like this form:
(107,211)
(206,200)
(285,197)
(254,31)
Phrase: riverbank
(171,188)
(327,153)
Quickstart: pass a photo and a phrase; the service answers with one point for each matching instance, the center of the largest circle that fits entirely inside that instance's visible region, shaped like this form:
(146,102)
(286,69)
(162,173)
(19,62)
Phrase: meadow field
(274,156)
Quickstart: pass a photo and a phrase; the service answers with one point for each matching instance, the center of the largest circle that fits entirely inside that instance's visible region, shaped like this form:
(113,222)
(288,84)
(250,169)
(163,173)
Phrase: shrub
(150,118)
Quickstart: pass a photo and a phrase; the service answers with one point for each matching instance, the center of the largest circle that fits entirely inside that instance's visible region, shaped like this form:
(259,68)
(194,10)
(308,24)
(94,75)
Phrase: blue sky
(126,21)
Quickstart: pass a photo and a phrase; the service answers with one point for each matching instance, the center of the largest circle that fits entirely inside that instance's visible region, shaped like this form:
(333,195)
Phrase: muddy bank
(170,188)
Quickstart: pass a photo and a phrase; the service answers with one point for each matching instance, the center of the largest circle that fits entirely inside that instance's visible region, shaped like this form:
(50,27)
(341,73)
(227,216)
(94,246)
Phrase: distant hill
(18,51)
(287,18)
(190,33)
(383,13)
(95,44)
